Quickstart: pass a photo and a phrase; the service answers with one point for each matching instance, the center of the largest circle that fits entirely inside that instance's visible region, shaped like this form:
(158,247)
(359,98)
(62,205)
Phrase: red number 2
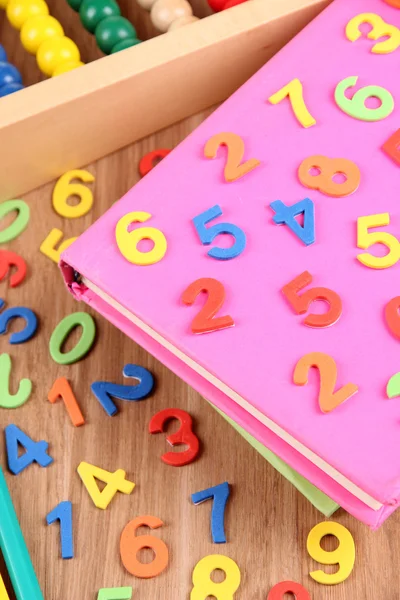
(302,303)
(392,316)
(184,435)
(288,587)
(204,321)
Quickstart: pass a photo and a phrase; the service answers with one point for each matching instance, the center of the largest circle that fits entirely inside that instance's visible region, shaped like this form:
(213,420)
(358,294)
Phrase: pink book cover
(339,429)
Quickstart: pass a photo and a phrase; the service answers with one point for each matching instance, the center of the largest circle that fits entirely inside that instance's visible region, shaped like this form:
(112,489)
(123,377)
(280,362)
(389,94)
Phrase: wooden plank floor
(267,520)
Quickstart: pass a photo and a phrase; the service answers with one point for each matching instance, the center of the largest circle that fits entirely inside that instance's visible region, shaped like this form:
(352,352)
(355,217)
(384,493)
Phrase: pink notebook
(286,209)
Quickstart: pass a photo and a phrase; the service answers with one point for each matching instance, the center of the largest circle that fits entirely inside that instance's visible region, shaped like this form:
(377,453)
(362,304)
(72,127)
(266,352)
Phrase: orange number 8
(329,167)
(130,545)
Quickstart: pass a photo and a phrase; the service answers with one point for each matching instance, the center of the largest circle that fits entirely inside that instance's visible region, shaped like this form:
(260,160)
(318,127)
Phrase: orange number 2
(235,145)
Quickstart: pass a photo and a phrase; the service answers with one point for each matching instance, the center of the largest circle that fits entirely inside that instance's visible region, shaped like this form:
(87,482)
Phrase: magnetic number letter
(20,222)
(127,241)
(8,400)
(344,555)
(64,189)
(394,3)
(11,259)
(392,147)
(48,246)
(392,316)
(379,29)
(219,494)
(61,388)
(234,168)
(116,482)
(294,90)
(130,545)
(184,435)
(355,107)
(286,215)
(302,303)
(207,234)
(19,312)
(63,513)
(365,239)
(328,398)
(34,451)
(204,322)
(121,593)
(151,159)
(329,167)
(62,331)
(203,586)
(3,592)
(288,587)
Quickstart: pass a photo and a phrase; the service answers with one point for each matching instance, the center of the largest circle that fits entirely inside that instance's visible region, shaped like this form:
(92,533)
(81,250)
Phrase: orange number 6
(130,545)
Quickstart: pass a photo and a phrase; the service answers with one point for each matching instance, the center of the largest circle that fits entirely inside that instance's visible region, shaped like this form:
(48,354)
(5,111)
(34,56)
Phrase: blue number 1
(63,513)
(285,215)
(207,234)
(219,494)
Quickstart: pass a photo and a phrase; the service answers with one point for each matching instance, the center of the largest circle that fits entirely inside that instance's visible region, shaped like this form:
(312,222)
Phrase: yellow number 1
(294,90)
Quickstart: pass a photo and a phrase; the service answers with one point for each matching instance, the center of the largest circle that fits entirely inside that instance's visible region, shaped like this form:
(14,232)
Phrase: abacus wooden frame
(71,120)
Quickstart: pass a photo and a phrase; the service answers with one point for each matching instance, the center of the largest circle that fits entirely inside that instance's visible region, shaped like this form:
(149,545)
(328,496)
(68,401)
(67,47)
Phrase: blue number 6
(207,235)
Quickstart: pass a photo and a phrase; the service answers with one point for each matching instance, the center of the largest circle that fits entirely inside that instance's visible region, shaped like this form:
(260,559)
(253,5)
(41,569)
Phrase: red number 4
(301,304)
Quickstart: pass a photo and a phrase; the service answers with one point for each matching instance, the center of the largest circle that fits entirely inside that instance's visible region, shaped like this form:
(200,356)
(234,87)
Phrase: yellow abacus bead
(19,11)
(3,3)
(64,67)
(38,29)
(164,12)
(182,21)
(147,4)
(55,51)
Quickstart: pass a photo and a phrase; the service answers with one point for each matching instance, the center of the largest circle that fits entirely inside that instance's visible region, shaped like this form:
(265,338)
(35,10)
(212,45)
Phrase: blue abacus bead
(3,54)
(10,88)
(9,74)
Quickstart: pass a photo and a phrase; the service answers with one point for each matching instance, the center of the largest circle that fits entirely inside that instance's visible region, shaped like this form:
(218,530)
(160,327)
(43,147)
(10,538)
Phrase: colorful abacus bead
(112,31)
(167,15)
(218,5)
(38,29)
(10,77)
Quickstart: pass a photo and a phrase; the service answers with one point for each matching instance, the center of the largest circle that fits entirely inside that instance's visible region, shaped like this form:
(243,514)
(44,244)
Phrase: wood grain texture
(267,520)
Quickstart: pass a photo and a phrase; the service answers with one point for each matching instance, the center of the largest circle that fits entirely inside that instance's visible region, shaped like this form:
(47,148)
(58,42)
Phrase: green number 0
(355,107)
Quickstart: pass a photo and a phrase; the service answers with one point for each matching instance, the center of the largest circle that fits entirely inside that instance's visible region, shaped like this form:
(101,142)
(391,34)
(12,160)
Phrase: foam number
(151,159)
(393,386)
(234,168)
(3,592)
(9,260)
(17,312)
(121,593)
(62,389)
(63,513)
(34,451)
(344,555)
(294,91)
(392,316)
(392,147)
(8,400)
(127,241)
(116,482)
(328,398)
(286,215)
(208,234)
(219,494)
(204,321)
(328,168)
(394,3)
(64,189)
(302,303)
(48,246)
(203,586)
(103,390)
(279,591)
(365,239)
(62,331)
(184,435)
(131,543)
(20,222)
(379,29)
(356,108)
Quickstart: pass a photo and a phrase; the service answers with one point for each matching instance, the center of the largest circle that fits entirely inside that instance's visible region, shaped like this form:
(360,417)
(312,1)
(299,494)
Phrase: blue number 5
(207,235)
(219,494)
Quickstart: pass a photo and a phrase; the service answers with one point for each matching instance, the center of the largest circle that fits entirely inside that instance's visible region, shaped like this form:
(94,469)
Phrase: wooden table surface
(267,520)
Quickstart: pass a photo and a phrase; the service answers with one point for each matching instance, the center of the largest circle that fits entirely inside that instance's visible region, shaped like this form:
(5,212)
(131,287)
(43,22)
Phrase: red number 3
(184,435)
(288,587)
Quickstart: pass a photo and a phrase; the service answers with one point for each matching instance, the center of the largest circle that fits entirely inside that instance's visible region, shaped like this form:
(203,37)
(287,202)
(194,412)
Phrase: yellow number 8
(344,555)
(204,586)
(127,241)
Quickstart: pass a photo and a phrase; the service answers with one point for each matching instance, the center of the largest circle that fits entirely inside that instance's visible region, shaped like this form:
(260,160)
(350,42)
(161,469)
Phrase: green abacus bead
(94,11)
(75,4)
(128,43)
(113,30)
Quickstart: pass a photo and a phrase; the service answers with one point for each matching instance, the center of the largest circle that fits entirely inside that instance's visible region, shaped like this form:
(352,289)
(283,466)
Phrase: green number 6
(355,107)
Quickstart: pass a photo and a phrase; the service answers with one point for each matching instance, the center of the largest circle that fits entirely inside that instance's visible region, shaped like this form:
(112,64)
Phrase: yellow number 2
(365,239)
(294,90)
(344,555)
(203,584)
(127,241)
(379,29)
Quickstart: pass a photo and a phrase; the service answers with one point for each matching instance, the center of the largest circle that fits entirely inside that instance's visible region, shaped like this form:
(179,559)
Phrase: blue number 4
(286,215)
(207,234)
(219,494)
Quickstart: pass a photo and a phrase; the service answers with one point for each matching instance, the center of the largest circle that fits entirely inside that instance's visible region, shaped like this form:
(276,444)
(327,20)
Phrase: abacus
(78,115)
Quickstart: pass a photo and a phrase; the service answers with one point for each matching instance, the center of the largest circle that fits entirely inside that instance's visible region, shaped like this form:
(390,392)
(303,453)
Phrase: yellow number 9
(203,584)
(344,555)
(127,241)
(379,29)
(64,189)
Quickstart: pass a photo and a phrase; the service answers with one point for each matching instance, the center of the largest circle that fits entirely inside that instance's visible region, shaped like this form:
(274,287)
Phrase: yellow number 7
(365,239)
(294,90)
